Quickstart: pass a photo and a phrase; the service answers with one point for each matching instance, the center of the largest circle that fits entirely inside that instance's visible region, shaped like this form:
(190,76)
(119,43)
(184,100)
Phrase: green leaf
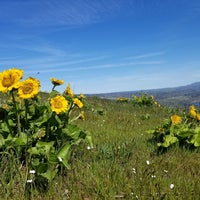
(35,162)
(73,131)
(2,140)
(196,137)
(168,140)
(41,168)
(64,154)
(53,159)
(49,174)
(22,140)
(41,148)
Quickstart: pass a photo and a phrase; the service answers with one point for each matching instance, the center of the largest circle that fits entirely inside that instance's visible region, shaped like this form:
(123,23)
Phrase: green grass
(116,168)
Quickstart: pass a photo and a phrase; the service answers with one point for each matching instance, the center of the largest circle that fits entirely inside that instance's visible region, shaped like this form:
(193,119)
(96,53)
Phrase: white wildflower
(60,159)
(32,171)
(134,170)
(89,147)
(171,186)
(147,162)
(29,181)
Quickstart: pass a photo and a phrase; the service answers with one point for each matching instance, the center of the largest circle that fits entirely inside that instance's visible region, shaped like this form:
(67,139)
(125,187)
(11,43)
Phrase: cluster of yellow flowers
(193,112)
(122,99)
(176,119)
(10,80)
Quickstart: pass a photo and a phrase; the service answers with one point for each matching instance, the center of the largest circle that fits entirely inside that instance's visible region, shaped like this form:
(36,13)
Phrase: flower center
(7,81)
(58,104)
(27,89)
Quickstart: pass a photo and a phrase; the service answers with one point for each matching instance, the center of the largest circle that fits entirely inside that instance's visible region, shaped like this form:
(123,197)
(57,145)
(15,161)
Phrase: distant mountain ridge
(181,96)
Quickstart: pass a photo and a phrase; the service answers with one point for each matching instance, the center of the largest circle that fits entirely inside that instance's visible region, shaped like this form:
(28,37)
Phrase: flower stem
(17,114)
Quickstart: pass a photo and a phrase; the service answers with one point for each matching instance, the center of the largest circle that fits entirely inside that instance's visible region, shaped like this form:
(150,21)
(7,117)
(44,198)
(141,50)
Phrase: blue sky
(102,45)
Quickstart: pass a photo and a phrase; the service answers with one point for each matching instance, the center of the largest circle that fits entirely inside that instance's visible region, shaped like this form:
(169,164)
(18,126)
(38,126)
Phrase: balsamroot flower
(28,88)
(77,102)
(10,79)
(69,91)
(193,112)
(56,82)
(59,104)
(175,119)
(198,117)
(82,96)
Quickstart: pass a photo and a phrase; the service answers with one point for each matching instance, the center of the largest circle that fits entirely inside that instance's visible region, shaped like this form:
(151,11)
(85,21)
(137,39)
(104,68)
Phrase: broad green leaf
(89,140)
(22,140)
(41,148)
(64,154)
(49,174)
(169,140)
(41,168)
(2,140)
(53,159)
(73,131)
(196,137)
(35,162)
(45,145)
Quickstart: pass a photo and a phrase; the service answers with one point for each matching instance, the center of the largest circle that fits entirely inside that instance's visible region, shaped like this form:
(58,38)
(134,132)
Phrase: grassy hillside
(123,164)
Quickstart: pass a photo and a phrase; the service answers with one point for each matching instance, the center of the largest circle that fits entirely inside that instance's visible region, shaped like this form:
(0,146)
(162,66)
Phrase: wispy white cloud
(62,12)
(103,66)
(147,55)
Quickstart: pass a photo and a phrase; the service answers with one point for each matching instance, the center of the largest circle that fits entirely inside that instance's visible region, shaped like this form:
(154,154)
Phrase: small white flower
(171,186)
(29,181)
(32,171)
(134,170)
(60,159)
(88,147)
(147,162)
(153,176)
(165,171)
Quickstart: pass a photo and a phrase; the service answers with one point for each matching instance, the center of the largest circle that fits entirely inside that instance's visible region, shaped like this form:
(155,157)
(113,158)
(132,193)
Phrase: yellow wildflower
(28,88)
(175,119)
(78,102)
(193,112)
(10,79)
(81,96)
(198,117)
(82,115)
(5,106)
(56,81)
(59,104)
(69,91)
(192,107)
